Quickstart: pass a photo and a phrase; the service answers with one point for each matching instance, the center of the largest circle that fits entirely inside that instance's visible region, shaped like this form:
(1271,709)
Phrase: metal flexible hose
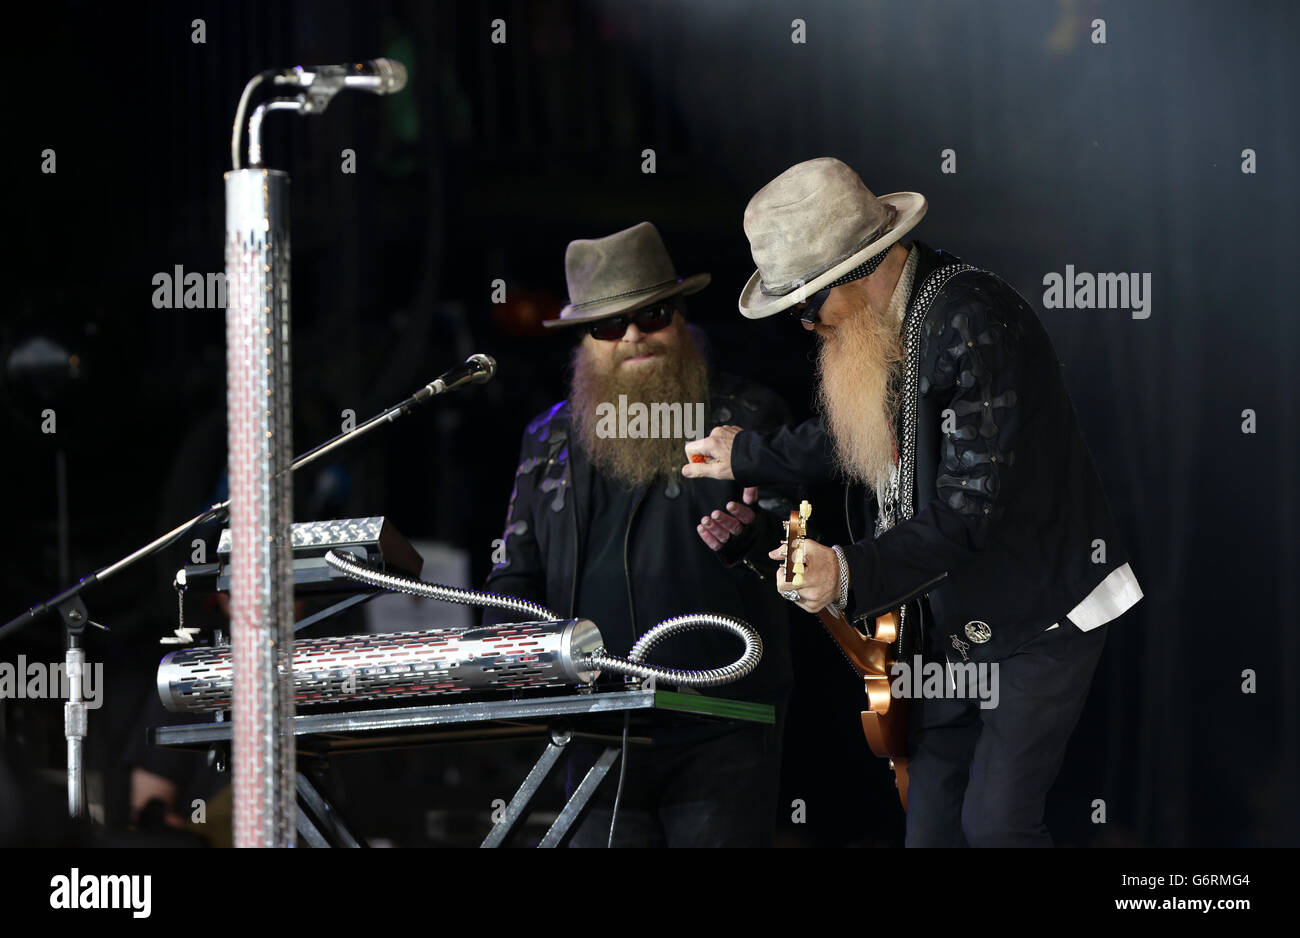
(349,567)
(712,677)
(599,659)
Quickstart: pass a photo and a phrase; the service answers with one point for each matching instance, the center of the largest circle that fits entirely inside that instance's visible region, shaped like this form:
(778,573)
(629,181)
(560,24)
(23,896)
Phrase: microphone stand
(72,611)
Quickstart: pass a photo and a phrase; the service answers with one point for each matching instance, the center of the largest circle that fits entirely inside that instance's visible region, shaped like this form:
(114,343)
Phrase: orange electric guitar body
(884,722)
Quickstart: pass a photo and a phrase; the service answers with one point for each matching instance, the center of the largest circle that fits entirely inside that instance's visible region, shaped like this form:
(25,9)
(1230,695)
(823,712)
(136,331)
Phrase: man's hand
(147,787)
(710,458)
(719,527)
(821,576)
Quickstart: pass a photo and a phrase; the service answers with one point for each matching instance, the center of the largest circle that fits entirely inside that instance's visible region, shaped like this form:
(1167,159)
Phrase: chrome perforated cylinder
(355,668)
(259,418)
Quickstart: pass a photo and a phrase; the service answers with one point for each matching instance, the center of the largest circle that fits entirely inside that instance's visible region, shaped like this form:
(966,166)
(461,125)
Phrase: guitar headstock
(796,529)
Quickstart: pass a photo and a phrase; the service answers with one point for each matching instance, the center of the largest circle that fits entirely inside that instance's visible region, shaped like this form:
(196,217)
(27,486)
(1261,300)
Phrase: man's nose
(633,334)
(810,326)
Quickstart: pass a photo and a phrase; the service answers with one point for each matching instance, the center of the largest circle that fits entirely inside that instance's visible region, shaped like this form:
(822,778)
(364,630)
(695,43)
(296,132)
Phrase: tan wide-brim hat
(620,273)
(813,224)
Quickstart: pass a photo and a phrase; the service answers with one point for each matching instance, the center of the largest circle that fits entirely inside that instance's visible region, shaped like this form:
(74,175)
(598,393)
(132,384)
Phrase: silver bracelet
(843,602)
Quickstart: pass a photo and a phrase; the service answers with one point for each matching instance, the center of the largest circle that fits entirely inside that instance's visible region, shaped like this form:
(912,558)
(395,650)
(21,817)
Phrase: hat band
(585,304)
(783,289)
(865,269)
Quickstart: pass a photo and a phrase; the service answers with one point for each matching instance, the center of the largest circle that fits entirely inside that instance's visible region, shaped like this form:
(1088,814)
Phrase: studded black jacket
(1011,526)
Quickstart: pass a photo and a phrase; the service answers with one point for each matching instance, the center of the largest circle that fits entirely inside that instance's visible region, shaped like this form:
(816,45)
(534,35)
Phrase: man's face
(839,305)
(637,353)
(870,295)
(664,366)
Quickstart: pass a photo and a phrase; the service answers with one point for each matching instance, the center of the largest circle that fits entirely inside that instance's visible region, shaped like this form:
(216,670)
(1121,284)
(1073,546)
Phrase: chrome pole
(259,421)
(74,727)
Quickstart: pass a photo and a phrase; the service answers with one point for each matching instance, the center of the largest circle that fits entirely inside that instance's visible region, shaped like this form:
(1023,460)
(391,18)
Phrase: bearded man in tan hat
(601,526)
(941,395)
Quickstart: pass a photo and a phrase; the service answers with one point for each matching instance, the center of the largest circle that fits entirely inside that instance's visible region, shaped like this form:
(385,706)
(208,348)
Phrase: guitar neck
(868,656)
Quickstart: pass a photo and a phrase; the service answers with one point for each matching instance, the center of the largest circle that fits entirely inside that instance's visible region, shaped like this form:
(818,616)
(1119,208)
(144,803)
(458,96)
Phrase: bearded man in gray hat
(601,526)
(942,397)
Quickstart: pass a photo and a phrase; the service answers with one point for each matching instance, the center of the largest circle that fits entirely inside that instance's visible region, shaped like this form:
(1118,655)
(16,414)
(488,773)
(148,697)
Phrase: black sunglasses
(809,310)
(650,319)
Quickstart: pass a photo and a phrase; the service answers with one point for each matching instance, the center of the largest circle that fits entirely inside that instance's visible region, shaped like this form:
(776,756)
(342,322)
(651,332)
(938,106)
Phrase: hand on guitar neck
(808,568)
(812,571)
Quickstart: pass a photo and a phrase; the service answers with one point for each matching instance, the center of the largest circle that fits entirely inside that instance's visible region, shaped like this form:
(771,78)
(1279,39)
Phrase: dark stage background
(1122,156)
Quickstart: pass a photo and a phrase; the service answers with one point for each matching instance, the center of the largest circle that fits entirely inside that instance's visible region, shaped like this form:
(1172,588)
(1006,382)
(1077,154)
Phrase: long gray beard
(856,395)
(680,376)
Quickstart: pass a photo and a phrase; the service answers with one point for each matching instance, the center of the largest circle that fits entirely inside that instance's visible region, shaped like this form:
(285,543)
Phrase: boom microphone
(476,369)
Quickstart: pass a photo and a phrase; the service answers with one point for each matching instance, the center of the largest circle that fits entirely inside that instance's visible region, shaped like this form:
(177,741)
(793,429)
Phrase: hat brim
(626,304)
(910,206)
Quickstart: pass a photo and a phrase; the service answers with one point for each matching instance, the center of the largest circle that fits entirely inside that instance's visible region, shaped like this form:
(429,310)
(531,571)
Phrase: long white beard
(855,394)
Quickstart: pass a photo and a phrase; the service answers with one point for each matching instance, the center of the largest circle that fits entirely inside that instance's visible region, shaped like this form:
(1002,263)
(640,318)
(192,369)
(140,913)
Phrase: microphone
(378,76)
(476,369)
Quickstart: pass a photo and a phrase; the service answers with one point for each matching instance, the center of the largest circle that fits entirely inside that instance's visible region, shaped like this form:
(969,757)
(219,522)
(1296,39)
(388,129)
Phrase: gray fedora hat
(813,224)
(620,273)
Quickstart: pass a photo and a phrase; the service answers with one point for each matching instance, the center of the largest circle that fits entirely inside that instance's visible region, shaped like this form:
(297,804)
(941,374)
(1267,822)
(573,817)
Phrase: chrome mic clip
(319,84)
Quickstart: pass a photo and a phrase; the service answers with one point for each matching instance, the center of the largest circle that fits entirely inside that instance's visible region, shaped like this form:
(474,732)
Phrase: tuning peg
(805,509)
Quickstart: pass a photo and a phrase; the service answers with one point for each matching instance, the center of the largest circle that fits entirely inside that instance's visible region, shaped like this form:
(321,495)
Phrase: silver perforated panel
(337,533)
(502,658)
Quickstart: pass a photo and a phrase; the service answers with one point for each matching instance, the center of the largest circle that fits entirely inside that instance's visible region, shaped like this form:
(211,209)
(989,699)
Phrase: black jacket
(1009,507)
(546,524)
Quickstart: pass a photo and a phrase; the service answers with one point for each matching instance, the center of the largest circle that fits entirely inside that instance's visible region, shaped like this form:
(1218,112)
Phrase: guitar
(884,722)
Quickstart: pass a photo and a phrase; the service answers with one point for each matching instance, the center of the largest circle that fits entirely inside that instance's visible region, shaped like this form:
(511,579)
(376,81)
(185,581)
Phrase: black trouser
(694,786)
(980,777)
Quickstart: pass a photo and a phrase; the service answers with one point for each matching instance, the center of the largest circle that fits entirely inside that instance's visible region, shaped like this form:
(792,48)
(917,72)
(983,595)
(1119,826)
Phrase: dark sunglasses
(809,310)
(650,319)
